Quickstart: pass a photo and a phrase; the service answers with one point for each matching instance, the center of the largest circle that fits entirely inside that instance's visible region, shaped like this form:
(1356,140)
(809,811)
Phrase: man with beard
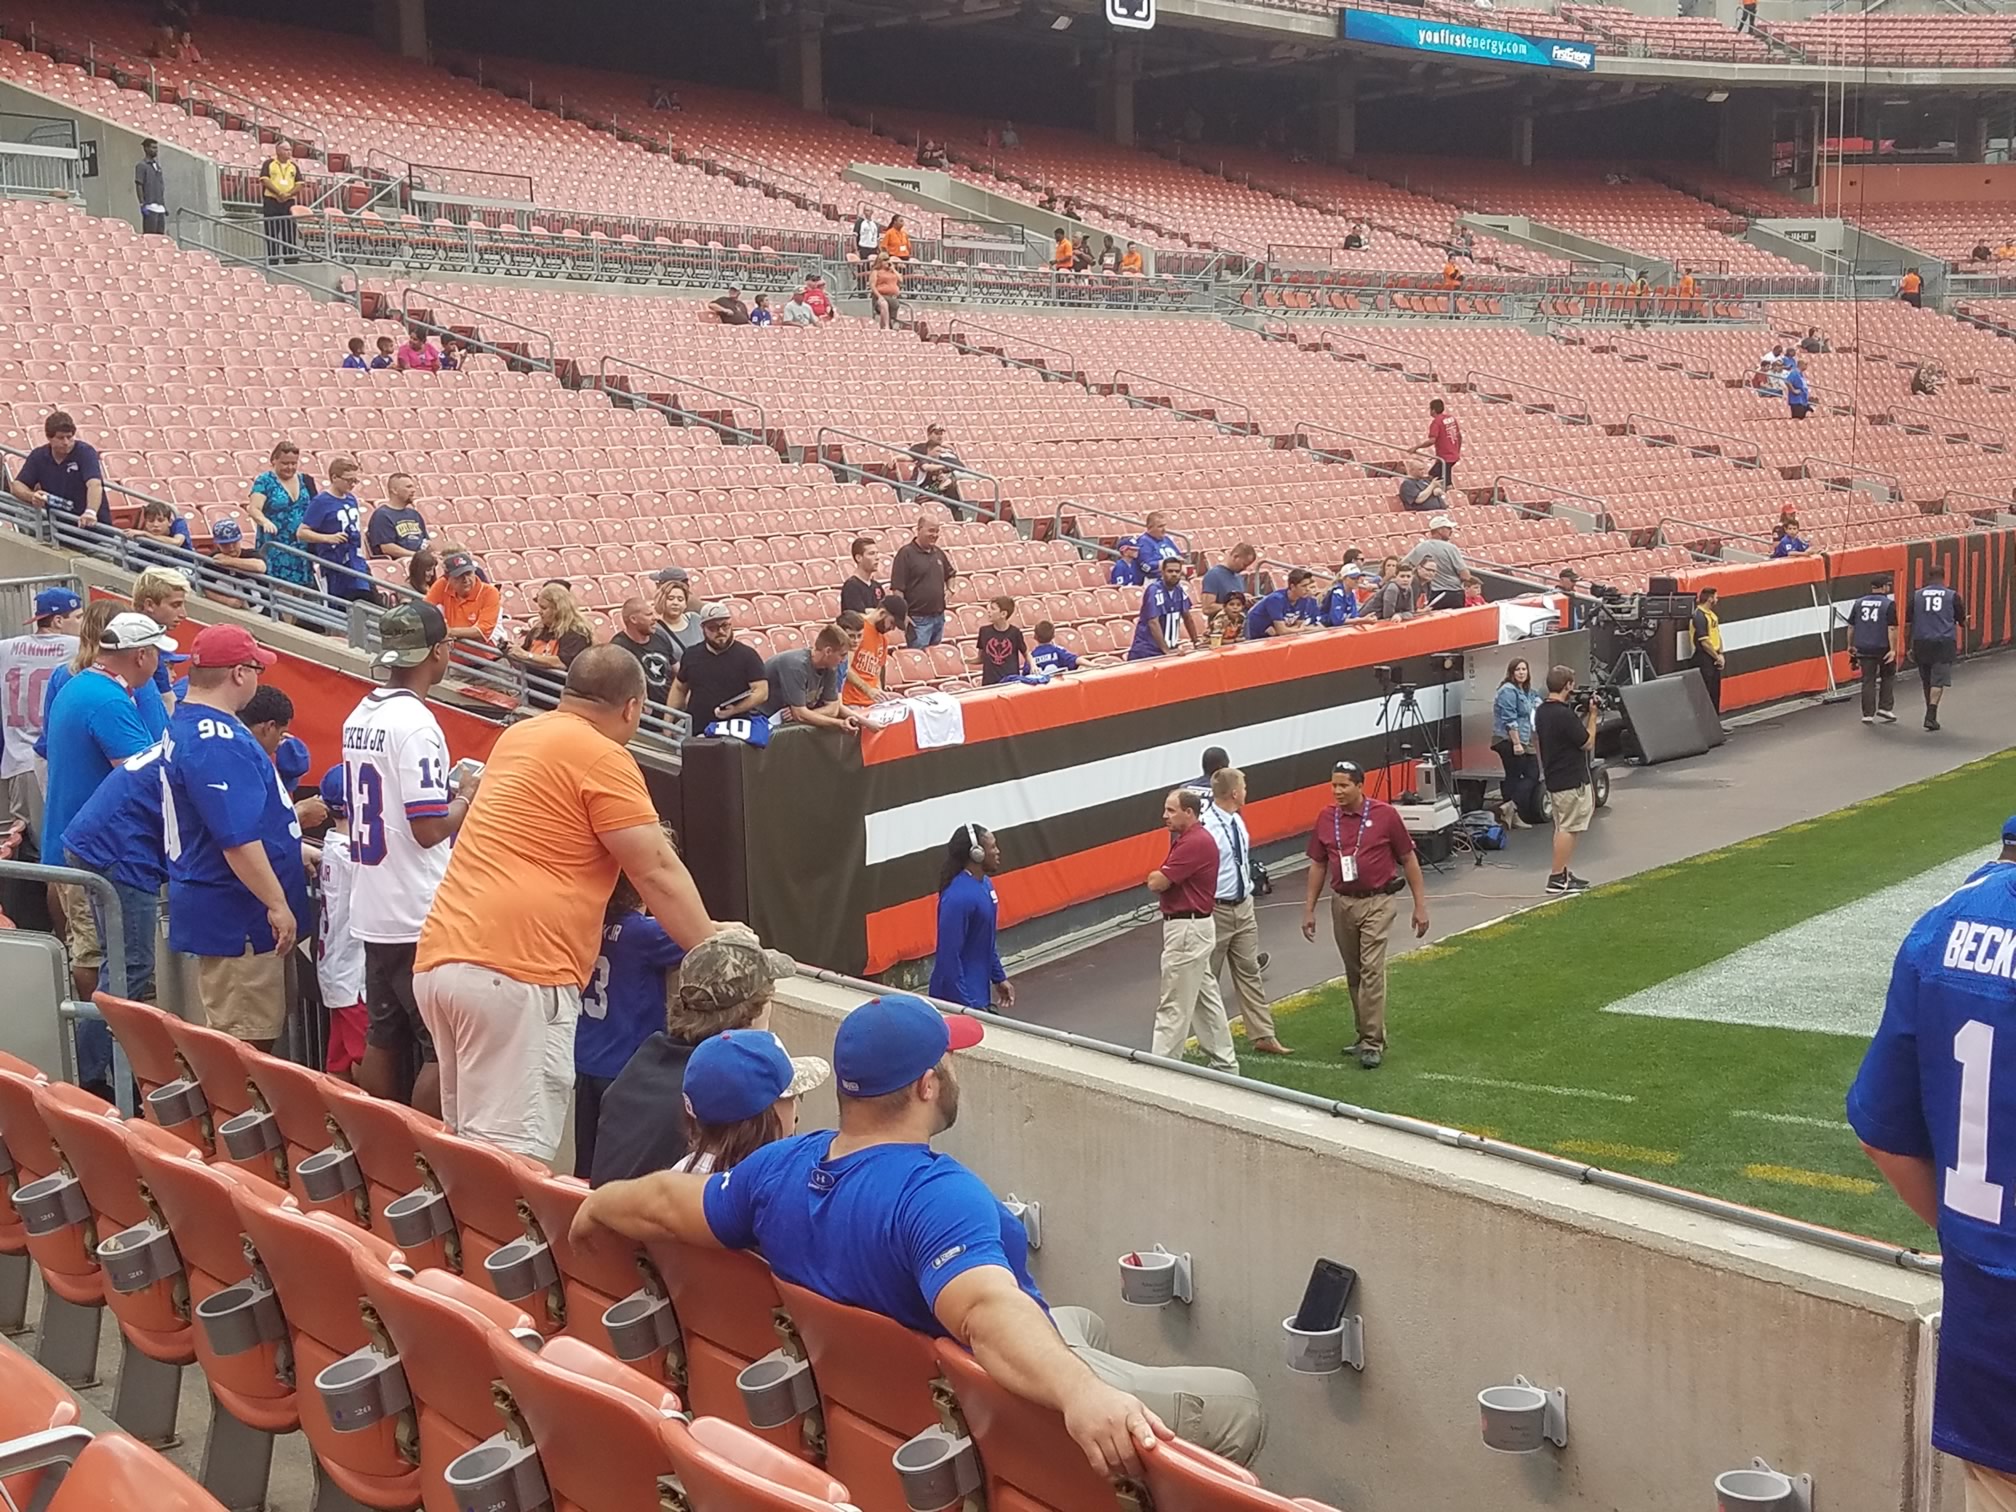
(871,1216)
(652,644)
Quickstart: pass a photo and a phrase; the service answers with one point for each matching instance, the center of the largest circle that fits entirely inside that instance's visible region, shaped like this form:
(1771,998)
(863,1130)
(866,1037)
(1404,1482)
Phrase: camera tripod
(1398,721)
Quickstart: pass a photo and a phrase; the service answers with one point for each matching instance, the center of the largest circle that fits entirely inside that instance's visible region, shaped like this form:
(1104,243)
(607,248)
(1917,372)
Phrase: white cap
(131,631)
(1441,522)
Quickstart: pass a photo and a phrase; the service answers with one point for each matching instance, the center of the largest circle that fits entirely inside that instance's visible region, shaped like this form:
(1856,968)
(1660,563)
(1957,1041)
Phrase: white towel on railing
(939,720)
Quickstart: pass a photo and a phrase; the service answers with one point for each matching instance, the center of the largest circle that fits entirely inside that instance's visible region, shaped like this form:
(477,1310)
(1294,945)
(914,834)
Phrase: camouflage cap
(729,969)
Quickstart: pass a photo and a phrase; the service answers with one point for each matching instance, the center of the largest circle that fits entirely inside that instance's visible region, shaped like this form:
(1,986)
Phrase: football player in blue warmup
(967,968)
(1935,1107)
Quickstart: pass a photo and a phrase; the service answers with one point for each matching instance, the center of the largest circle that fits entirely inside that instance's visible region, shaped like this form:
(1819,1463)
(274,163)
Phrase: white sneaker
(1886,716)
(1868,719)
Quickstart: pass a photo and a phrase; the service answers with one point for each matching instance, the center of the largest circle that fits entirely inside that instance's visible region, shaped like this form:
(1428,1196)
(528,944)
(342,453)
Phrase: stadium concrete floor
(1775,769)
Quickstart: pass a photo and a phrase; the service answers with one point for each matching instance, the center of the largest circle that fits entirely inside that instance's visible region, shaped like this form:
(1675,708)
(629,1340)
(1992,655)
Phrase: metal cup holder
(937,1470)
(241,1318)
(330,1174)
(178,1102)
(499,1475)
(418,1217)
(138,1257)
(776,1389)
(522,1268)
(55,1202)
(250,1134)
(362,1389)
(639,1326)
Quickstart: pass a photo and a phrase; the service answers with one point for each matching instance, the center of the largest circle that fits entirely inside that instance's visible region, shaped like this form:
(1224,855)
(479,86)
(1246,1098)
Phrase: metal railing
(202,97)
(1994,382)
(103,59)
(1092,543)
(1579,415)
(2000,506)
(1300,430)
(484,318)
(470,188)
(1831,469)
(615,384)
(245,244)
(1691,364)
(1553,491)
(1153,399)
(1422,369)
(905,488)
(1930,422)
(982,283)
(1655,430)
(1721,533)
(32,169)
(960,324)
(764,175)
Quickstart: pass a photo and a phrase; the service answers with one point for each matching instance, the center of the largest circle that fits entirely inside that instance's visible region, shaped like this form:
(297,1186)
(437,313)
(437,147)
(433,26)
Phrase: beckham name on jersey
(1986,949)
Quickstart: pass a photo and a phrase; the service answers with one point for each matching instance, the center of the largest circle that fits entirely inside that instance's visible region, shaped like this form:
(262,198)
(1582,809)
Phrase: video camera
(1582,700)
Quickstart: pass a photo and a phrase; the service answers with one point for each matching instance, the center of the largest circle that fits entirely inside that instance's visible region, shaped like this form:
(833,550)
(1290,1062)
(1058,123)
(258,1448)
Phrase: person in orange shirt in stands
(882,631)
(896,240)
(469,605)
(1452,276)
(511,938)
(1130,260)
(1910,287)
(1062,253)
(884,284)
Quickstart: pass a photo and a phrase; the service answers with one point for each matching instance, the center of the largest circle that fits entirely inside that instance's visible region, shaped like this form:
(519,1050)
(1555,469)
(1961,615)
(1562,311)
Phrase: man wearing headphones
(967,968)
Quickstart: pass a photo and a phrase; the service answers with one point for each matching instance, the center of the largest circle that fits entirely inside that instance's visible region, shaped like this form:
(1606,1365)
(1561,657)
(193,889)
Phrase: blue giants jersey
(1939,1083)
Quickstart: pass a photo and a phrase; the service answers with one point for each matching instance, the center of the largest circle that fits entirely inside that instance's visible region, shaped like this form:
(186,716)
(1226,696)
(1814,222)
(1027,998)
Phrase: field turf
(1503,1030)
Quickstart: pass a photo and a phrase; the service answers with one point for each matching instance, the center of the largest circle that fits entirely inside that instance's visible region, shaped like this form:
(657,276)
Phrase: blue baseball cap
(333,796)
(54,601)
(2009,830)
(293,760)
(890,1041)
(227,532)
(735,1075)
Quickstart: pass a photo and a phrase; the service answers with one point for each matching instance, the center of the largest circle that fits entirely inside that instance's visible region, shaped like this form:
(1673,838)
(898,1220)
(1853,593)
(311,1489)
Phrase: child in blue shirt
(1047,655)
(622,1006)
(356,359)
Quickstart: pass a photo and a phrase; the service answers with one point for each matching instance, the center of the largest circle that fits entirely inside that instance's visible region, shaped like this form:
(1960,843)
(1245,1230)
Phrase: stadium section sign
(1425,34)
(1134,15)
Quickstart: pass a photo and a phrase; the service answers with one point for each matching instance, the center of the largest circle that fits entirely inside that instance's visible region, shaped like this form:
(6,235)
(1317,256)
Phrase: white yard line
(1790,1118)
(1589,1093)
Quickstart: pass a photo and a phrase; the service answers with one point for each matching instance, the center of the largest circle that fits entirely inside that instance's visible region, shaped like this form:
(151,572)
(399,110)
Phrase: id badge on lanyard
(1347,865)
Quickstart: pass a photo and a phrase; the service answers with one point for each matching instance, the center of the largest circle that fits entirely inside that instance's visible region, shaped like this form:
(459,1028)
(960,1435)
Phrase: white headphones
(974,851)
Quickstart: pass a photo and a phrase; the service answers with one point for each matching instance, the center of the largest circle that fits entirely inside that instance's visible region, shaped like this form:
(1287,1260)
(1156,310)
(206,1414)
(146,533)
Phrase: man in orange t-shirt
(467,603)
(511,938)
(882,632)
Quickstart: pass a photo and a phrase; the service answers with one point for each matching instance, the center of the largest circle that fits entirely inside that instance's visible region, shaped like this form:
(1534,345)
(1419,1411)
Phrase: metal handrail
(1883,351)
(1994,382)
(2002,506)
(1427,363)
(1618,339)
(1298,427)
(1631,426)
(1058,532)
(1511,396)
(183,215)
(381,189)
(1852,470)
(914,490)
(769,175)
(759,436)
(1960,430)
(93,47)
(317,137)
(1721,532)
(1554,491)
(1246,425)
(959,322)
(407,319)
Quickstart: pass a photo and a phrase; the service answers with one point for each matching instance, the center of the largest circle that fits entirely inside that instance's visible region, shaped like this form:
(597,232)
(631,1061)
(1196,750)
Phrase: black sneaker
(1577,884)
(1559,882)
(1931,721)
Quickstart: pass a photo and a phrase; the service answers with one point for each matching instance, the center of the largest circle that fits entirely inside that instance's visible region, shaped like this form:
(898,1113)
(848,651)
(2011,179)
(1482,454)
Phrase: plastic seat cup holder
(51,1204)
(937,1470)
(1325,1351)
(137,1258)
(499,1475)
(777,1389)
(1519,1418)
(178,1102)
(522,1268)
(362,1389)
(639,1326)
(248,1135)
(330,1174)
(241,1318)
(418,1217)
(1154,1278)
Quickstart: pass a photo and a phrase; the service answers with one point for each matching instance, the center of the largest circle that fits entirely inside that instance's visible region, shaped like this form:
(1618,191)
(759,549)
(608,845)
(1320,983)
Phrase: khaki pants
(1361,926)
(244,996)
(1990,1490)
(24,792)
(1186,967)
(80,928)
(506,1051)
(1206,1405)
(1238,932)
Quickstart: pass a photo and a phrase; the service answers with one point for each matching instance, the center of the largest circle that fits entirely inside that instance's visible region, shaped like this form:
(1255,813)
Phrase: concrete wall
(1685,1345)
(1991,184)
(936,193)
(192,180)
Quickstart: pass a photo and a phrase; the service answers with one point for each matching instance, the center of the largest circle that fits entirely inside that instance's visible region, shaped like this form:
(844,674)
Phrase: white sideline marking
(1790,1118)
(1519,1086)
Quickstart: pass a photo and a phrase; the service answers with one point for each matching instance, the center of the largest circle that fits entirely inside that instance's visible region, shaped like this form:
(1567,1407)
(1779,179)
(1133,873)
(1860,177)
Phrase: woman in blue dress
(279,499)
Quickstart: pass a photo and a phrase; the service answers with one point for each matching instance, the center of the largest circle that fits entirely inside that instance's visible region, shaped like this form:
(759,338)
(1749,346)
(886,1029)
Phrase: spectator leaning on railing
(64,473)
(396,527)
(278,501)
(804,684)
(470,606)
(332,529)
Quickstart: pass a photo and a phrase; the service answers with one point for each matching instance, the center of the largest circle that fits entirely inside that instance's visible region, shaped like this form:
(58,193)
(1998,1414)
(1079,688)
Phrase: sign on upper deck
(1430,34)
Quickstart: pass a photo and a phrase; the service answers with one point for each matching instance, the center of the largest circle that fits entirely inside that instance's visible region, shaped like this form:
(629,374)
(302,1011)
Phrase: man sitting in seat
(874,1218)
(1130,260)
(729,308)
(797,311)
(814,294)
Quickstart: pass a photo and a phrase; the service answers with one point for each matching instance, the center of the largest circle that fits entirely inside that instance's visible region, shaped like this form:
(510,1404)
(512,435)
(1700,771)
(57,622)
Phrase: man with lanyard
(967,968)
(1872,642)
(1706,628)
(1186,884)
(237,886)
(1361,849)
(1233,919)
(1165,614)
(1935,1107)
(1935,617)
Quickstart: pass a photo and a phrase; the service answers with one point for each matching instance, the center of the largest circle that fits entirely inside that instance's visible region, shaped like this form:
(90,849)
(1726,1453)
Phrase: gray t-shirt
(796,684)
(1449,564)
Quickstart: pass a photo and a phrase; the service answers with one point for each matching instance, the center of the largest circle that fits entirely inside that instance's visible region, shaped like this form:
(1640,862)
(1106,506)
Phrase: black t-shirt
(713,678)
(1002,653)
(659,655)
(643,1124)
(1562,737)
(861,596)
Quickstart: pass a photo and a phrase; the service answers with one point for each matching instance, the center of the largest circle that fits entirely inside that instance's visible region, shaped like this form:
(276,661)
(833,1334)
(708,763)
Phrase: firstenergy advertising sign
(1424,34)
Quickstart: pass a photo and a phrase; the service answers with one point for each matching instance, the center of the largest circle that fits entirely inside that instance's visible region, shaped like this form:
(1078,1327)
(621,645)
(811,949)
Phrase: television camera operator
(1564,730)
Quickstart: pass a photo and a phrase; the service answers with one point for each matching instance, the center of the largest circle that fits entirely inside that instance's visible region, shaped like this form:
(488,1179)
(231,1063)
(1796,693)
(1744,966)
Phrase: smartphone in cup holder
(1326,1296)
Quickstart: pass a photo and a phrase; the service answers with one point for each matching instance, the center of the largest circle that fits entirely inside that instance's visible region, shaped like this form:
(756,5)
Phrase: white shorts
(506,1051)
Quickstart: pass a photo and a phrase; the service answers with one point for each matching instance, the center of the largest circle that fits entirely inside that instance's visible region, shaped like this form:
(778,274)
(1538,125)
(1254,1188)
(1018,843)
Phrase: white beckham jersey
(395,770)
(26,663)
(339,966)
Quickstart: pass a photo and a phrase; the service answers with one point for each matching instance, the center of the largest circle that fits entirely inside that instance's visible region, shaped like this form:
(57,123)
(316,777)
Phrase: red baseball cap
(228,646)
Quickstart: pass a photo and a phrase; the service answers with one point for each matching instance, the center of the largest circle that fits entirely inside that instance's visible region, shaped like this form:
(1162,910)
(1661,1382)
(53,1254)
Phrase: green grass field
(1504,1031)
